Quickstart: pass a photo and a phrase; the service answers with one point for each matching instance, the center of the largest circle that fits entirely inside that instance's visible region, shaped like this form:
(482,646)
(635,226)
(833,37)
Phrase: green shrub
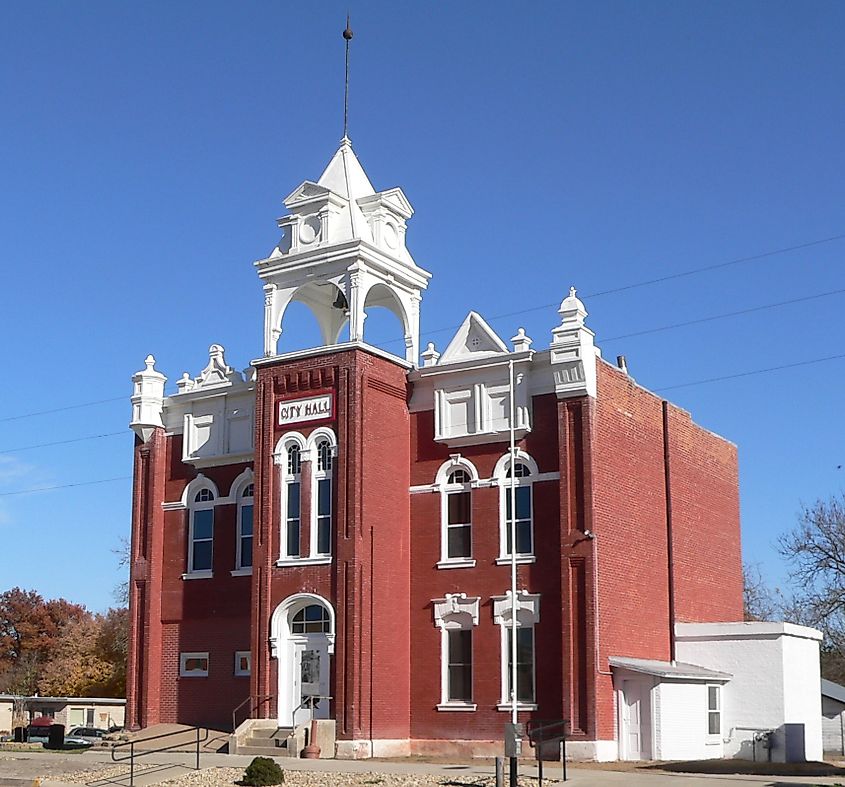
(263,771)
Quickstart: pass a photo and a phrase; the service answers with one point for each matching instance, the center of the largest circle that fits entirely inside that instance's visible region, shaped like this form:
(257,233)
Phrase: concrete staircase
(271,742)
(262,737)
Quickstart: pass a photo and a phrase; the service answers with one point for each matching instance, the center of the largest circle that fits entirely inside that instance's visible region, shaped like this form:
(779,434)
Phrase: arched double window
(455,480)
(313,458)
(516,506)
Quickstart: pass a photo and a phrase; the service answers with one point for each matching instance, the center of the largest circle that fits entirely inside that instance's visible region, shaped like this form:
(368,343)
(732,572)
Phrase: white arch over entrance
(304,658)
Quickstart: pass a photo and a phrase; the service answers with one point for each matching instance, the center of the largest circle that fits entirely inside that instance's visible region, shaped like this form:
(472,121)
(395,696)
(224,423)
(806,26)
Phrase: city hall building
(330,531)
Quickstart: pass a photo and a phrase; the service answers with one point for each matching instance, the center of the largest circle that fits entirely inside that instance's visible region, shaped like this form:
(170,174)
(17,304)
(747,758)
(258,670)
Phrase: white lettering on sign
(314,408)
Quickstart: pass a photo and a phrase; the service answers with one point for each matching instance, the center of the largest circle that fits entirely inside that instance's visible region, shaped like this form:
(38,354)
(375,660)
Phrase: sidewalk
(20,770)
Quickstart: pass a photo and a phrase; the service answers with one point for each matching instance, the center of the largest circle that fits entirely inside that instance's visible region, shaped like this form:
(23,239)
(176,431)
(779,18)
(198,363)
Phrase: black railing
(254,704)
(133,754)
(545,732)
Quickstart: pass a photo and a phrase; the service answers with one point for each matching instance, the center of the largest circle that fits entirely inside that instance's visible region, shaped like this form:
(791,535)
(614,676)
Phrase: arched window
(455,480)
(323,475)
(245,528)
(201,533)
(292,497)
(516,506)
(313,619)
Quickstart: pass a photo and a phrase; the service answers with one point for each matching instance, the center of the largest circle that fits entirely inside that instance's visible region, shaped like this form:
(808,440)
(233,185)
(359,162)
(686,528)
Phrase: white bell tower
(342,251)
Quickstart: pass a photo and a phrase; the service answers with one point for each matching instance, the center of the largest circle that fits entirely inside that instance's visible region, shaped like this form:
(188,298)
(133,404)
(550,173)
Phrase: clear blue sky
(146,149)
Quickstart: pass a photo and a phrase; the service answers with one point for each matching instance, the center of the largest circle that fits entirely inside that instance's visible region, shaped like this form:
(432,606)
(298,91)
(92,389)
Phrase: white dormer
(147,399)
(472,385)
(572,353)
(342,251)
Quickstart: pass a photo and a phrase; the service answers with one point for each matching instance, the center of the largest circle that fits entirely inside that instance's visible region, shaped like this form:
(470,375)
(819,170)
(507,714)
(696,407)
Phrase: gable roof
(474,339)
(833,690)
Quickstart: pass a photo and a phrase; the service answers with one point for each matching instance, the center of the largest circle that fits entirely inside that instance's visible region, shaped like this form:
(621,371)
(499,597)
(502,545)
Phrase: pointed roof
(344,174)
(474,339)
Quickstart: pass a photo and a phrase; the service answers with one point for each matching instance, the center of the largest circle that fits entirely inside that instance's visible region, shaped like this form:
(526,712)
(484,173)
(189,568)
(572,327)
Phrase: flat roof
(668,669)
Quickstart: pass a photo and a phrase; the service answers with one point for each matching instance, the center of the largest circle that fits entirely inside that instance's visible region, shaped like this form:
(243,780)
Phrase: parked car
(76,742)
(88,734)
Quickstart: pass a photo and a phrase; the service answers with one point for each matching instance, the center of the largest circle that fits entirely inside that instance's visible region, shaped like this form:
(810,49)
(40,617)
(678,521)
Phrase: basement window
(193,665)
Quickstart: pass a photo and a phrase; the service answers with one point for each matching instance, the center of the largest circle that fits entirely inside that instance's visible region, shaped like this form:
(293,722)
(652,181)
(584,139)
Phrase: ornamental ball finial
(347,33)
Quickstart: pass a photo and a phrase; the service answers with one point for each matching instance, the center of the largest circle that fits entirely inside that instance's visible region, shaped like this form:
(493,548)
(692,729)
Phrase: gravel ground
(230,777)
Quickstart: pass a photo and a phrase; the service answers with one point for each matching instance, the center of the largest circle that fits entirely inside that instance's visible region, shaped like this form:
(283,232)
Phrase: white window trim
(527,616)
(199,484)
(314,439)
(504,484)
(441,483)
(240,568)
(323,560)
(183,657)
(280,458)
(239,654)
(454,612)
(713,738)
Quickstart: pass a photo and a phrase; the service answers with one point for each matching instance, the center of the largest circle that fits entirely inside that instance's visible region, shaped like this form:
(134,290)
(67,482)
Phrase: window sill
(320,560)
(520,706)
(463,562)
(457,706)
(193,674)
(241,572)
(198,575)
(241,674)
(520,559)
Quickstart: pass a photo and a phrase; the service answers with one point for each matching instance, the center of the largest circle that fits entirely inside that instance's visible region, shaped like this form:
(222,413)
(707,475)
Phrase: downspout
(670,561)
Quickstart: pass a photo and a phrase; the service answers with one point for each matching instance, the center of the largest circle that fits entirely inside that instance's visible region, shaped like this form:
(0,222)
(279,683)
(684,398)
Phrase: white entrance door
(310,674)
(632,718)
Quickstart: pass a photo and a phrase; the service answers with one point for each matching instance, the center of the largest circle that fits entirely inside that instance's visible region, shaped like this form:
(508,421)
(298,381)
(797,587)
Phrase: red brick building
(338,523)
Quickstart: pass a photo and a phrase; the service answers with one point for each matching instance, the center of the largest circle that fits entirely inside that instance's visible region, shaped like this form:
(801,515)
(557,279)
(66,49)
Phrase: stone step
(269,732)
(265,751)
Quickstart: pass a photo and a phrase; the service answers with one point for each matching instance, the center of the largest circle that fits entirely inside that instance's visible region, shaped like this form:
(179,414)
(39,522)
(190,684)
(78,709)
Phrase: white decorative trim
(520,706)
(457,706)
(198,575)
(527,608)
(503,463)
(174,505)
(241,572)
(193,487)
(452,605)
(237,486)
(239,673)
(457,563)
(455,462)
(320,560)
(422,489)
(520,560)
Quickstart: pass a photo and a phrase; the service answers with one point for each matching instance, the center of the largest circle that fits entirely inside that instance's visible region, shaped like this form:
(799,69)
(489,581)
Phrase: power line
(658,280)
(62,442)
(749,374)
(61,409)
(722,316)
(64,486)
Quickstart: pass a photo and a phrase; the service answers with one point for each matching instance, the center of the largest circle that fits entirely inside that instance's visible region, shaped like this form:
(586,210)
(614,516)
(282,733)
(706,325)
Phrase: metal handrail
(309,699)
(133,755)
(259,701)
(545,731)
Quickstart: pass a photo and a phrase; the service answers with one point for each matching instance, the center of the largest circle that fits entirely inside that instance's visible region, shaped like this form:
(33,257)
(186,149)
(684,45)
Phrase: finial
(347,35)
(150,362)
(572,292)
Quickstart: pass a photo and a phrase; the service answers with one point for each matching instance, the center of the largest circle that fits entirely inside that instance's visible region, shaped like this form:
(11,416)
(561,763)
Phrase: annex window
(193,665)
(456,616)
(313,619)
(201,535)
(714,710)
(243,663)
(516,507)
(323,476)
(245,527)
(527,616)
